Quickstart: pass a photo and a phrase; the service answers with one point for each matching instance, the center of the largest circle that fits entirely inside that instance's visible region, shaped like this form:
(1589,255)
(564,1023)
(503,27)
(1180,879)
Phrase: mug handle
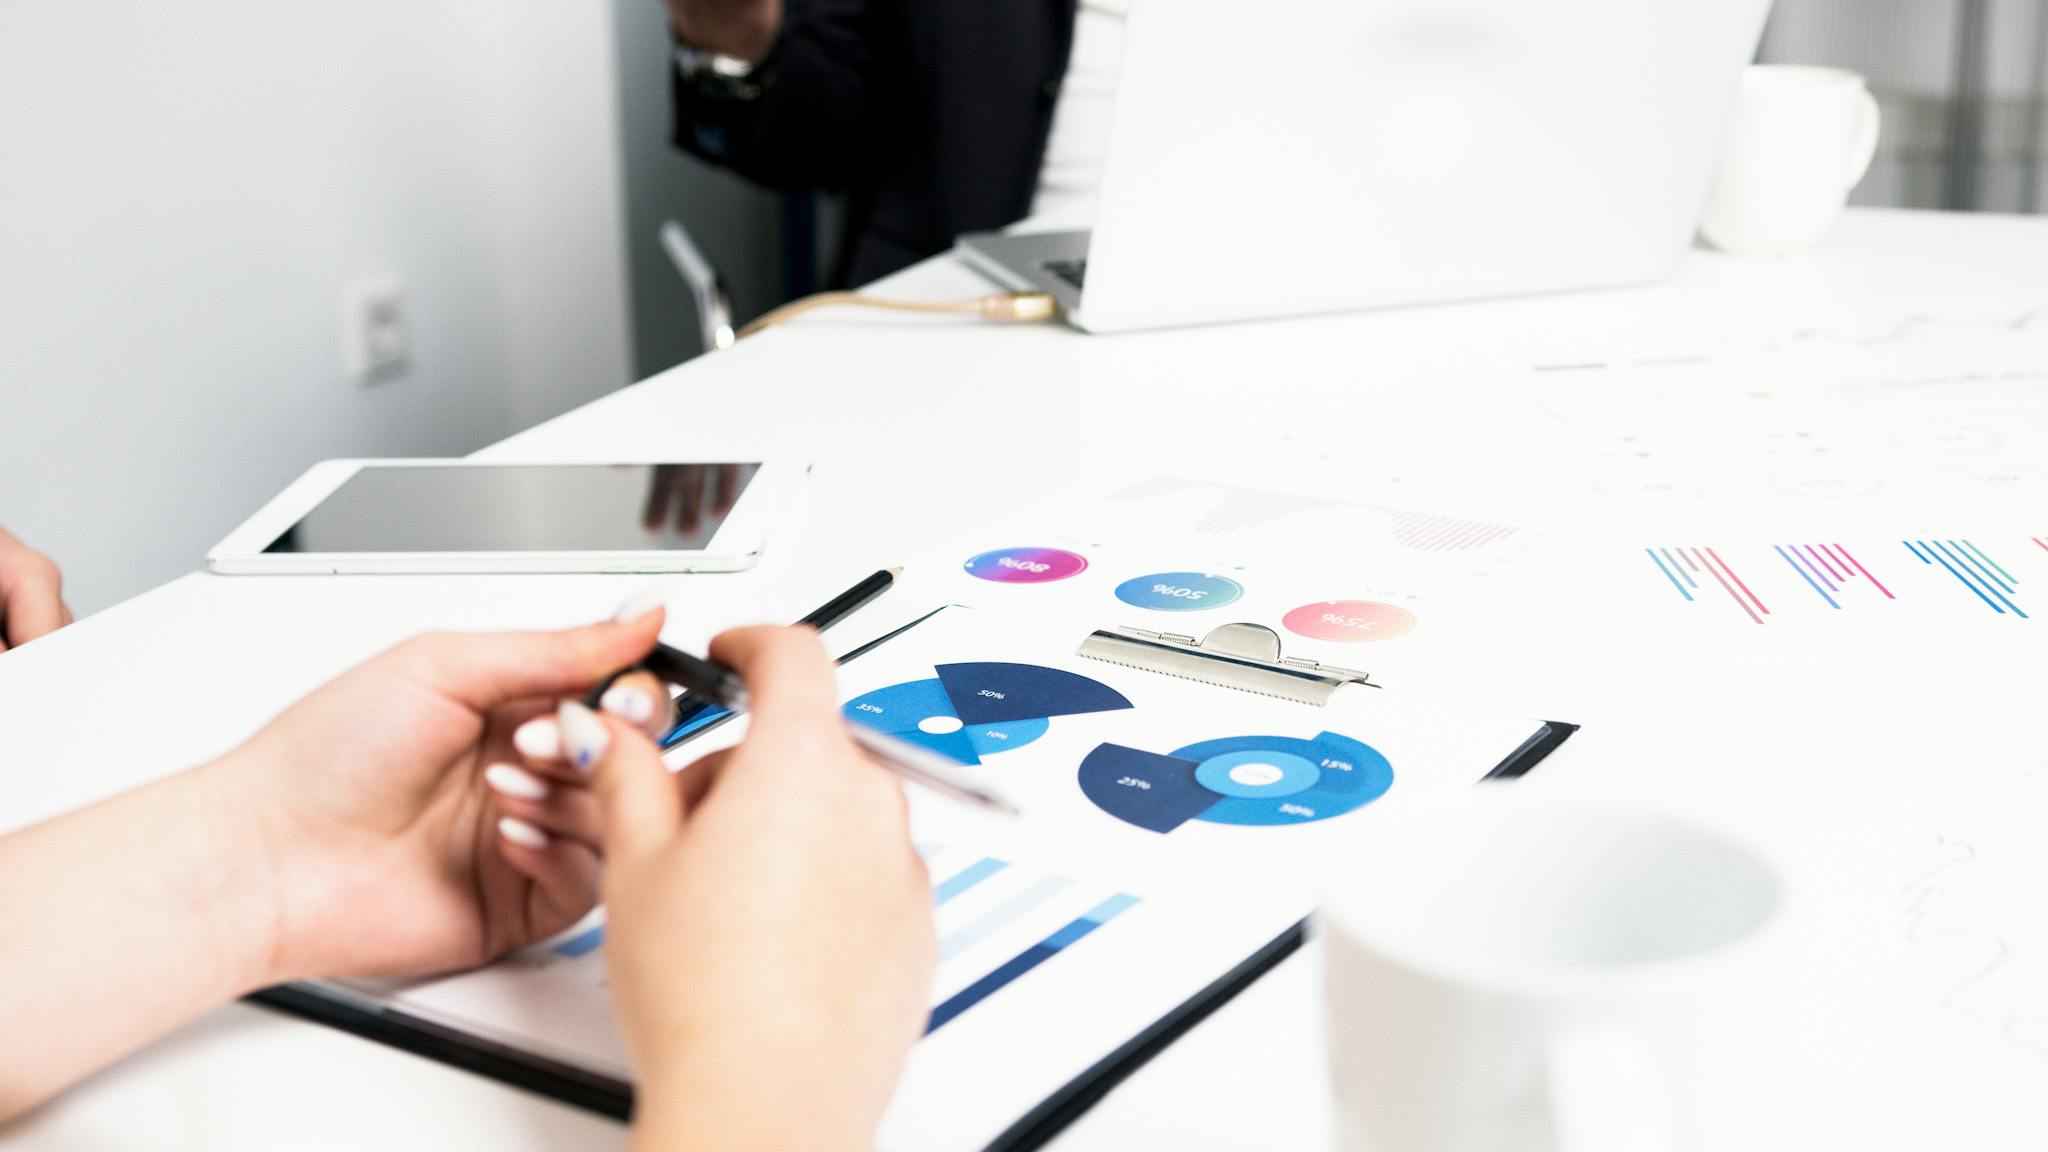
(1607,1093)
(1867,122)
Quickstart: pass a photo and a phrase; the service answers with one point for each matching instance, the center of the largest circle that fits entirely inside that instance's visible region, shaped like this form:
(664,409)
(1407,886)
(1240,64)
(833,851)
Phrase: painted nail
(517,783)
(628,703)
(584,736)
(539,739)
(521,833)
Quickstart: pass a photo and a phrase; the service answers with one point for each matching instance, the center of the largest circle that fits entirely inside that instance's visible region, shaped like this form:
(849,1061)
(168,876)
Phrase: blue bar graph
(1028,959)
(975,930)
(966,878)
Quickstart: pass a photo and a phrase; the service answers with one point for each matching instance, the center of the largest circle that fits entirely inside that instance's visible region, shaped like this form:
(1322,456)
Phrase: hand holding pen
(775,881)
(710,686)
(715,681)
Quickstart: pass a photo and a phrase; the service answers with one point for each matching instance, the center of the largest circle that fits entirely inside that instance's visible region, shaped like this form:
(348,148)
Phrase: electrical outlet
(375,342)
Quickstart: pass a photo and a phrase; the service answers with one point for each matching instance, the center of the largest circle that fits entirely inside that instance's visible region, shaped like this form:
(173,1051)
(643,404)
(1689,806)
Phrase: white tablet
(464,516)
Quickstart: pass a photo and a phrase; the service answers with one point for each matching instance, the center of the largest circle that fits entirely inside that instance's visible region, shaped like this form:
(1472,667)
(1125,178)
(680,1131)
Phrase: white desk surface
(884,405)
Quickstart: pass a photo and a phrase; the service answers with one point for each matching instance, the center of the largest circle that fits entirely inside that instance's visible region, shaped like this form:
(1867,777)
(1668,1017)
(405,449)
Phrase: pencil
(853,599)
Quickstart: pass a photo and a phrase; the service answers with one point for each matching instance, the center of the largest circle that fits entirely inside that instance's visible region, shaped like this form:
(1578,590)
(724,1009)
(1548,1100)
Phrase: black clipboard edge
(517,1067)
(1533,751)
(607,1096)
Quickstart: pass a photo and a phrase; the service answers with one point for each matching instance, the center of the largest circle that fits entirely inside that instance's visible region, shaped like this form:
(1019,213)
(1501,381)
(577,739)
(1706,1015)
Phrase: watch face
(717,76)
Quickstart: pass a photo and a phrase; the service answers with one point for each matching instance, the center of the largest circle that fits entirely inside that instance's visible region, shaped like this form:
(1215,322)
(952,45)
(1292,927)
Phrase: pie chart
(1244,780)
(969,711)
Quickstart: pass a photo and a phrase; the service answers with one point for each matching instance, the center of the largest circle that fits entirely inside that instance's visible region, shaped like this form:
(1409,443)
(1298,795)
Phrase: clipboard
(1246,657)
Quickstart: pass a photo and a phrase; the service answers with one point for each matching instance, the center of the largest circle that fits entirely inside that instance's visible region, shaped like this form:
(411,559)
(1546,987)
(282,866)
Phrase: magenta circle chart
(1350,621)
(1026,565)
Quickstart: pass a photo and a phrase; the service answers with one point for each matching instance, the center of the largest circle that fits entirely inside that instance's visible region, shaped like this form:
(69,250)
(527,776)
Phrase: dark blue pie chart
(974,710)
(1246,780)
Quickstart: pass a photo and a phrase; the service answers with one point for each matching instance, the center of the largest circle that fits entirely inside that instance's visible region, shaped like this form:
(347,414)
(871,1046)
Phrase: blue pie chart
(1243,780)
(969,711)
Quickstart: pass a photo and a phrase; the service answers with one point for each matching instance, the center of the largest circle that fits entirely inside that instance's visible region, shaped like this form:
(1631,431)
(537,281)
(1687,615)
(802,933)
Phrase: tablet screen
(523,508)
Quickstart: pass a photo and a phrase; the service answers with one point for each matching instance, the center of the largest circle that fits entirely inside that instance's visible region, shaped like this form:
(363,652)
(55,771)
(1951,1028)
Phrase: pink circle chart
(1026,565)
(1349,621)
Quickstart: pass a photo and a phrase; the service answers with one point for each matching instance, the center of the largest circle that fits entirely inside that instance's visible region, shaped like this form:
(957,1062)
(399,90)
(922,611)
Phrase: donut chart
(974,710)
(1242,780)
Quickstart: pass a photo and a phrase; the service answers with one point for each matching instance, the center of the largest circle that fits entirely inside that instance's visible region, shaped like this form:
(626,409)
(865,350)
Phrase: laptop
(1295,157)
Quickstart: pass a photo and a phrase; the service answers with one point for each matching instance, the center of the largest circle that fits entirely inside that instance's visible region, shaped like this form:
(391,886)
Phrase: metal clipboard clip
(1242,656)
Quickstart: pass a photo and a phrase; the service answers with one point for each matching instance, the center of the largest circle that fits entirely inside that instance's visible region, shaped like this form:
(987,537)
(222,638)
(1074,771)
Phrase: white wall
(735,223)
(185,190)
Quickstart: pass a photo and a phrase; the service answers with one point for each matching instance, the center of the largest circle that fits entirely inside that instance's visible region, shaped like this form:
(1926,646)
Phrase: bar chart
(996,919)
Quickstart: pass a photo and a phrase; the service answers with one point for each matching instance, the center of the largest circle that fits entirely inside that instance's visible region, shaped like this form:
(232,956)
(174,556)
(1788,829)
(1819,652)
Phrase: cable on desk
(1001,307)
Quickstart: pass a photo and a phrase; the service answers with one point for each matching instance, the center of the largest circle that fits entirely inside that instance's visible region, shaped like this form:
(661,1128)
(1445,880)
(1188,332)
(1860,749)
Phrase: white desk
(885,405)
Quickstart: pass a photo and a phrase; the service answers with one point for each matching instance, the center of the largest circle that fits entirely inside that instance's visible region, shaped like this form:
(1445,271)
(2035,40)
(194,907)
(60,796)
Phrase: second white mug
(1799,140)
(1520,973)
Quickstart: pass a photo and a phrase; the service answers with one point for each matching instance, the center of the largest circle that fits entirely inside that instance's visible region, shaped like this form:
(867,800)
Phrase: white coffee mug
(1516,972)
(1798,141)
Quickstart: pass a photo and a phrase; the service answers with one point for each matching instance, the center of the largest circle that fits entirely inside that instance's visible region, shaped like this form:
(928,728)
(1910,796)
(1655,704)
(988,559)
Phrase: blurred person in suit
(933,117)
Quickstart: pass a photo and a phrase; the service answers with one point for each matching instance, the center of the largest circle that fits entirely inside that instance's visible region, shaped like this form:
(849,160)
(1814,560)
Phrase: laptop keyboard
(1072,271)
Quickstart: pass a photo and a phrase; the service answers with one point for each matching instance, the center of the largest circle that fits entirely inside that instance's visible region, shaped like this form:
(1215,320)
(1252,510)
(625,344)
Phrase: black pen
(822,617)
(910,761)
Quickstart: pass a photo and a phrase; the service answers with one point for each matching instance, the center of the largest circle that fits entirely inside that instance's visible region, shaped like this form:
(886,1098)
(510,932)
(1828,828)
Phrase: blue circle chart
(974,710)
(1179,591)
(1244,780)
(1257,775)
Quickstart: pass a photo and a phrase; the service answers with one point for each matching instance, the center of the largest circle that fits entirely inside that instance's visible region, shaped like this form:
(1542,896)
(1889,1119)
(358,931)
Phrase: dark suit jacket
(931,115)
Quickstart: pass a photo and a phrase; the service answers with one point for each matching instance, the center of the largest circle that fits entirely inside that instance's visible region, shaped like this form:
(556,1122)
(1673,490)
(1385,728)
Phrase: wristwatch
(716,76)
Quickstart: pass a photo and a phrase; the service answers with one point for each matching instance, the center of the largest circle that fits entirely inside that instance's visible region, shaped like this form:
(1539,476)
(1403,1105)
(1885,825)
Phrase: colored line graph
(1689,569)
(1986,579)
(1829,570)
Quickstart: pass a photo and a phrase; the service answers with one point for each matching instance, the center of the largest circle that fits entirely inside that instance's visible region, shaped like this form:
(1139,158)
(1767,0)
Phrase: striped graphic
(2043,542)
(1028,959)
(1695,572)
(1986,579)
(1242,508)
(1829,570)
(1425,532)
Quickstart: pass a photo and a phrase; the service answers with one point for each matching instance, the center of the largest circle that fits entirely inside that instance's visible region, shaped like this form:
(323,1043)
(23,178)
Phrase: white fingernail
(521,833)
(539,739)
(584,736)
(515,782)
(628,703)
(639,605)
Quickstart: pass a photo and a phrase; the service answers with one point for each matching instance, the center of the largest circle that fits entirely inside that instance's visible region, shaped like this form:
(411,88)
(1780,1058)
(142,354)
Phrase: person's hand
(770,925)
(742,28)
(380,802)
(31,594)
